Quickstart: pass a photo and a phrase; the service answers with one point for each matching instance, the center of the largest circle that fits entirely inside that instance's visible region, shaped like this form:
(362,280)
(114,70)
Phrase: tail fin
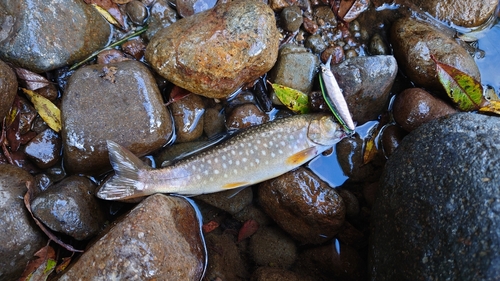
(126,183)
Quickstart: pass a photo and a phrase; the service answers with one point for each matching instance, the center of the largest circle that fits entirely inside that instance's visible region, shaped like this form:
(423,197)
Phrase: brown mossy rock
(215,52)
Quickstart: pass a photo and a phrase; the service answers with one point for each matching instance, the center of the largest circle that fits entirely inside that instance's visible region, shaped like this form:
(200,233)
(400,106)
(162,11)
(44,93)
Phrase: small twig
(117,43)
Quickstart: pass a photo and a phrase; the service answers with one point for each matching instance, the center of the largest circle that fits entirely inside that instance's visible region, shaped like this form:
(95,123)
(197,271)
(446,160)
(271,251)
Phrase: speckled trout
(252,156)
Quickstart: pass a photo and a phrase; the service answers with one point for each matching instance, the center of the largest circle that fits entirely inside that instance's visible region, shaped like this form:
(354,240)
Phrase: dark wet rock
(415,41)
(20,236)
(333,261)
(27,114)
(315,43)
(215,52)
(353,237)
(414,107)
(252,212)
(161,16)
(136,11)
(71,30)
(378,46)
(111,56)
(231,201)
(295,68)
(391,138)
(159,239)
(214,121)
(187,8)
(437,211)
(8,88)
(473,14)
(291,18)
(135,48)
(366,83)
(118,102)
(350,156)
(70,207)
(324,16)
(370,192)
(246,115)
(271,246)
(274,274)
(188,117)
(303,205)
(336,52)
(351,203)
(310,25)
(225,260)
(44,149)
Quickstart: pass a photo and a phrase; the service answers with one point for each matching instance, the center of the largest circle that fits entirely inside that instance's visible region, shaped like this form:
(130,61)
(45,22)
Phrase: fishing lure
(334,98)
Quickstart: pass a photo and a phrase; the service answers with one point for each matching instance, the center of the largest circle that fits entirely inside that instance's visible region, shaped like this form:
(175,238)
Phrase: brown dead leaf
(43,255)
(109,73)
(112,9)
(349,10)
(32,81)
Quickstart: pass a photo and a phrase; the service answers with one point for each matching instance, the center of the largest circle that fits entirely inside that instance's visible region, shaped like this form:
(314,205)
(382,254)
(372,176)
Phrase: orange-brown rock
(215,52)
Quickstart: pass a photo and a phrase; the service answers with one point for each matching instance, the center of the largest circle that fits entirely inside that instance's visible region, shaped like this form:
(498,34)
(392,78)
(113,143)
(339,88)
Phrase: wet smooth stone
(310,26)
(161,15)
(414,107)
(213,53)
(225,262)
(119,102)
(246,115)
(303,205)
(135,48)
(336,52)
(440,191)
(188,116)
(332,261)
(44,149)
(187,8)
(315,43)
(70,207)
(20,236)
(415,41)
(325,15)
(291,18)
(214,122)
(136,12)
(391,138)
(231,201)
(270,245)
(295,68)
(350,157)
(8,88)
(58,32)
(159,239)
(271,273)
(366,83)
(378,46)
(470,14)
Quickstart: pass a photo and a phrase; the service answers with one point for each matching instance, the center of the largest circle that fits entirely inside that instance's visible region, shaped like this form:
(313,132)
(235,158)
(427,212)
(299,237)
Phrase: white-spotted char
(252,156)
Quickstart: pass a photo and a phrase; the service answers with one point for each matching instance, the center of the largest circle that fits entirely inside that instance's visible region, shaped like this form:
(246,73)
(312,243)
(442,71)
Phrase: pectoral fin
(302,156)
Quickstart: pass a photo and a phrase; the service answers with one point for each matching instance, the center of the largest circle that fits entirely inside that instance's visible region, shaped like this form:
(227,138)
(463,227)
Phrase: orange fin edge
(302,156)
(235,184)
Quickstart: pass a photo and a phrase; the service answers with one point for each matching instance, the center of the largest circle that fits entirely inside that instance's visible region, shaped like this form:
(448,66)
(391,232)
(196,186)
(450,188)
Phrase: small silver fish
(330,87)
(252,156)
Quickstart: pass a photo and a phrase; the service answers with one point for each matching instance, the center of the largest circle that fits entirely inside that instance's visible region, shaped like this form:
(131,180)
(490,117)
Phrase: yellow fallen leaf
(107,15)
(492,106)
(46,109)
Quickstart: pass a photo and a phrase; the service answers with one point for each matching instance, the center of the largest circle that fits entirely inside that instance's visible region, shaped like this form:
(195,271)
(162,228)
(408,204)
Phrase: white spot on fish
(198,177)
(237,162)
(216,160)
(211,179)
(263,152)
(224,157)
(258,142)
(244,159)
(272,154)
(225,175)
(252,164)
(216,172)
(224,165)
(230,162)
(206,172)
(257,160)
(282,143)
(209,162)
(235,171)
(271,143)
(267,162)
(280,151)
(233,152)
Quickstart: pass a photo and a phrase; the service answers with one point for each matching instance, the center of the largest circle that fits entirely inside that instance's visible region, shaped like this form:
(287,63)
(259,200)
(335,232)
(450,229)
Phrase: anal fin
(302,156)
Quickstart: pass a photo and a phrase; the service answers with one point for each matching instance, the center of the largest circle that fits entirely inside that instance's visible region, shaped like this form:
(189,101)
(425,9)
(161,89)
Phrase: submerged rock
(20,236)
(437,213)
(303,205)
(8,88)
(70,207)
(160,239)
(470,13)
(44,35)
(119,102)
(215,52)
(415,41)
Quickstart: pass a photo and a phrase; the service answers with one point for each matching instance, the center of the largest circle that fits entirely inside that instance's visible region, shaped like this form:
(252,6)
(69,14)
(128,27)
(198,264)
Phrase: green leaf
(295,100)
(463,89)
